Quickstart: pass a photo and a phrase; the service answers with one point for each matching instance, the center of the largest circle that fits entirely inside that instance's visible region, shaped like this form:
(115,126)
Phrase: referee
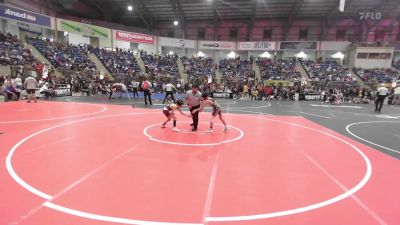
(169,91)
(193,102)
(381,94)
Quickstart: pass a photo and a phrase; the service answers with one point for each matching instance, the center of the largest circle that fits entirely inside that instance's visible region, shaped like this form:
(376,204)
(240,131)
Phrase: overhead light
(338,55)
(301,55)
(176,23)
(130,8)
(201,54)
(170,53)
(265,55)
(231,55)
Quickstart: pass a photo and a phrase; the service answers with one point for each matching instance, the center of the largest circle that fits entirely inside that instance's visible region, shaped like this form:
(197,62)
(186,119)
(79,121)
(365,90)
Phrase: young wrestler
(118,87)
(206,101)
(169,112)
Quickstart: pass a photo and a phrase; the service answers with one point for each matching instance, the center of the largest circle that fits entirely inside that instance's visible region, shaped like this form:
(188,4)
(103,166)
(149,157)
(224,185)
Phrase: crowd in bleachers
(13,51)
(160,67)
(198,67)
(396,64)
(119,61)
(282,69)
(237,74)
(64,56)
(236,70)
(327,70)
(377,75)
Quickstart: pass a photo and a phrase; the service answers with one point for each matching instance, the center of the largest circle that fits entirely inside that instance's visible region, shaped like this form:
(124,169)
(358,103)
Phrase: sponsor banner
(223,45)
(262,45)
(365,15)
(334,45)
(63,91)
(82,28)
(222,95)
(298,45)
(58,92)
(24,16)
(284,83)
(313,97)
(133,37)
(175,42)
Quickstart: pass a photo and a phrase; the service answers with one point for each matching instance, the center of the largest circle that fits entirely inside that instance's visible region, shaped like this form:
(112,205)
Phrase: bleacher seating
(236,69)
(65,57)
(328,70)
(200,66)
(280,70)
(396,64)
(119,61)
(161,66)
(377,75)
(13,52)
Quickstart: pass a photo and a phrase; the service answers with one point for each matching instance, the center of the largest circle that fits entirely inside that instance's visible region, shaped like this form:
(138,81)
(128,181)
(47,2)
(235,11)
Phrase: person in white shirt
(31,85)
(169,91)
(396,98)
(381,94)
(45,90)
(135,86)
(193,101)
(18,82)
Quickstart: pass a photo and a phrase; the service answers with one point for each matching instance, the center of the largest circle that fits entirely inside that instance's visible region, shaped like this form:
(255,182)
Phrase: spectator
(119,61)
(396,95)
(46,90)
(326,71)
(18,82)
(11,92)
(31,85)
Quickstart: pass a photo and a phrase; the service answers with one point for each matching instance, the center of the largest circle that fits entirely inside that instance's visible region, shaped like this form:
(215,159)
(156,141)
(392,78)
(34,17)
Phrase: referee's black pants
(379,103)
(195,117)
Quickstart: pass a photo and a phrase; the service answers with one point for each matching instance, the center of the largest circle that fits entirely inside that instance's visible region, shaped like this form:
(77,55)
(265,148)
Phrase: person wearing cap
(193,101)
(381,94)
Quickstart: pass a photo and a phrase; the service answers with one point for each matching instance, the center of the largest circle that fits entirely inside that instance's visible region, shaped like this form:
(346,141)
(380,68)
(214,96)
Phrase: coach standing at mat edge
(193,101)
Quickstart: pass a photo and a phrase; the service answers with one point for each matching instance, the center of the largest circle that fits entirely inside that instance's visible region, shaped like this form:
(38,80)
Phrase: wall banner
(299,45)
(179,43)
(83,29)
(24,16)
(133,37)
(262,45)
(221,45)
